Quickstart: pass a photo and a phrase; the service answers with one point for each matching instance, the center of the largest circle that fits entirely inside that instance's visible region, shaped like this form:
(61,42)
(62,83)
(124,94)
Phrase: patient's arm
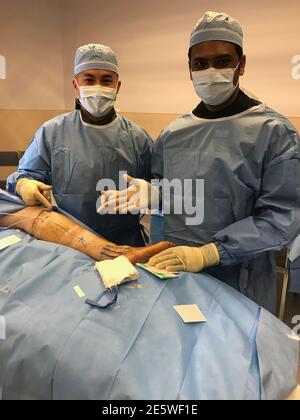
(54,227)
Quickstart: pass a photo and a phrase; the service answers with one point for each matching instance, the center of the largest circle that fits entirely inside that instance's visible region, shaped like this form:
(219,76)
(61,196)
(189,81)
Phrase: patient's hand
(143,254)
(108,252)
(134,254)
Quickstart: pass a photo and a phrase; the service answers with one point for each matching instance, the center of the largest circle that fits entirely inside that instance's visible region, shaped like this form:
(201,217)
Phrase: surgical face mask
(214,86)
(97,100)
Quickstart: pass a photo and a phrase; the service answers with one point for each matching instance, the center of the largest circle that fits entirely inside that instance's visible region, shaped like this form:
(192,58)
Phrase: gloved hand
(34,193)
(184,258)
(140,197)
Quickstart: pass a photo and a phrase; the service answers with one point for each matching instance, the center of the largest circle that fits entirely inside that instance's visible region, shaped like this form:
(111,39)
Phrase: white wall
(31,42)
(38,38)
(151,41)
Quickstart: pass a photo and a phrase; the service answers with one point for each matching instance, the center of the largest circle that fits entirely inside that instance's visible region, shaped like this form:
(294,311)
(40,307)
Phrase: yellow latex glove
(185,258)
(34,193)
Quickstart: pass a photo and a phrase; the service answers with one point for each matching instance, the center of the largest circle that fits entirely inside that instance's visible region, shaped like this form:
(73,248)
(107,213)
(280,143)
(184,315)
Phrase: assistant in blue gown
(73,152)
(72,156)
(248,156)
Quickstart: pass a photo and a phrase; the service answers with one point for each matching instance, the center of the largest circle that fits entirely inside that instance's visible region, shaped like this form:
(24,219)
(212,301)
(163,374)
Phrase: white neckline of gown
(98,127)
(260,106)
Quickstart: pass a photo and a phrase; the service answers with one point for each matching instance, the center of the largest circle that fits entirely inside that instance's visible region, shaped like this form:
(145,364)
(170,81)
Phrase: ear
(75,85)
(190,71)
(119,86)
(243,65)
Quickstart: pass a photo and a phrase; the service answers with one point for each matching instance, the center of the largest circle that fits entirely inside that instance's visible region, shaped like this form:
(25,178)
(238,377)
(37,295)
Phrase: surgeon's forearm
(54,227)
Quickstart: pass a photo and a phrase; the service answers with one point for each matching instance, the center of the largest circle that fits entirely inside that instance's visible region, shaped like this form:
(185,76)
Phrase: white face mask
(214,86)
(97,100)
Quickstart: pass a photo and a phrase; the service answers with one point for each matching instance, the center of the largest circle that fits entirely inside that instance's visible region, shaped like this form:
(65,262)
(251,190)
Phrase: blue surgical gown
(73,156)
(250,166)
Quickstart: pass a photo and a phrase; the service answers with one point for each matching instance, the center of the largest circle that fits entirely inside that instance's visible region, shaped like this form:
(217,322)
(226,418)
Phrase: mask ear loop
(238,65)
(77,100)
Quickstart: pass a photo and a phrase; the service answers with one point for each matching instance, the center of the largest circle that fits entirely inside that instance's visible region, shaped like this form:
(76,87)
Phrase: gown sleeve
(35,164)
(276,215)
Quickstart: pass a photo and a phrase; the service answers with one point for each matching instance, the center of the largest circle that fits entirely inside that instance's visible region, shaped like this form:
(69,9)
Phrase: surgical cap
(216,26)
(95,57)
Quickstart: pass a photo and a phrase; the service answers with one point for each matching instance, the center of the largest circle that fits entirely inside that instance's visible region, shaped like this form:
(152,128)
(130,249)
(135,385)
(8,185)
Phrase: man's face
(217,54)
(104,78)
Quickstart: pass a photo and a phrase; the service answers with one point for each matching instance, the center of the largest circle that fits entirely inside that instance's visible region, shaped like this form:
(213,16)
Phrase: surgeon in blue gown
(248,156)
(72,152)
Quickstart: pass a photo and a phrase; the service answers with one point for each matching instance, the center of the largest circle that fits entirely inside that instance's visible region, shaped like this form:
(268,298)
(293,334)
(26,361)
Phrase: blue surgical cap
(217,26)
(95,57)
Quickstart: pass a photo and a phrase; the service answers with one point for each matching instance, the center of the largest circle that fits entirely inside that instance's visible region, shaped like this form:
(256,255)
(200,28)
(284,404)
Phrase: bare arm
(54,227)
